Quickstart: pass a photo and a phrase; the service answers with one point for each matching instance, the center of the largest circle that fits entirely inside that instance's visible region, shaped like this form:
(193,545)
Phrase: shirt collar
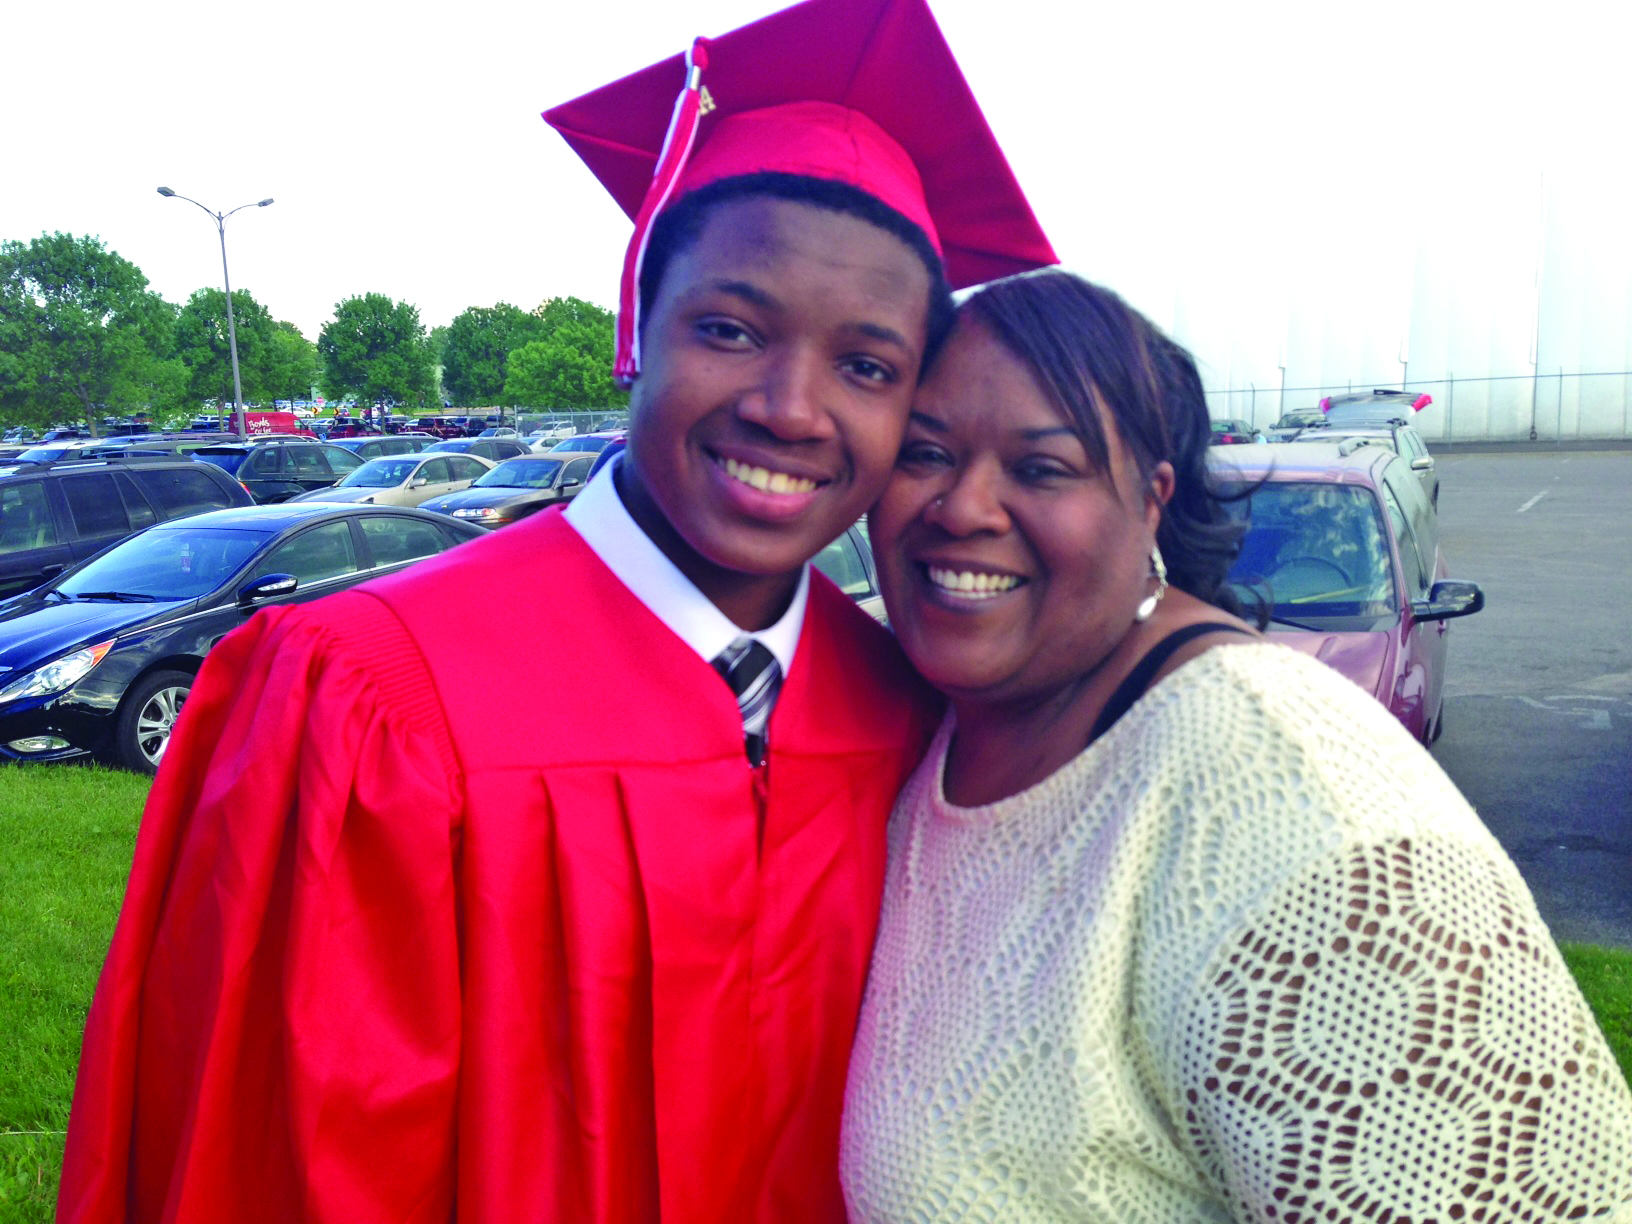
(599,516)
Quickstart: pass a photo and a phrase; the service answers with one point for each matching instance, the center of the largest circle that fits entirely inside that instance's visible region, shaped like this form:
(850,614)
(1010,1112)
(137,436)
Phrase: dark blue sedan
(99,661)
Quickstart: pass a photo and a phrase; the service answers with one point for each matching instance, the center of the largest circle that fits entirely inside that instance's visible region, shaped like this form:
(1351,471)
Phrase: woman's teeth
(767,481)
(968,583)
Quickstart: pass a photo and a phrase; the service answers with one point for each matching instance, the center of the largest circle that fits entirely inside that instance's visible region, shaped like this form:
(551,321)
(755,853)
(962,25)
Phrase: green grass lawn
(67,840)
(66,837)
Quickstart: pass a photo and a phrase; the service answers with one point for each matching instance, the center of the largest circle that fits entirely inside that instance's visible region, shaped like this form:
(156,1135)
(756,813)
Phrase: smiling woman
(1177,924)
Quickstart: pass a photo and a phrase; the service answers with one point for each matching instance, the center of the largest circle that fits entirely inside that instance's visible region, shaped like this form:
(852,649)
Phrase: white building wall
(1430,284)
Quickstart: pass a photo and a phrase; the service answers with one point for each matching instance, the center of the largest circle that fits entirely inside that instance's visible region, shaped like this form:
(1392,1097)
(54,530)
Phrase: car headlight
(57,675)
(477,512)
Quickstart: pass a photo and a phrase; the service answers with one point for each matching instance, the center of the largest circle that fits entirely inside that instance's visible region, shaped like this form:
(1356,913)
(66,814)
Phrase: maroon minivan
(1343,550)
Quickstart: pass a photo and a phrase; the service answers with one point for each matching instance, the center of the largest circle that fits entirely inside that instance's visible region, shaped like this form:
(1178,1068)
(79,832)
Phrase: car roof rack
(1349,445)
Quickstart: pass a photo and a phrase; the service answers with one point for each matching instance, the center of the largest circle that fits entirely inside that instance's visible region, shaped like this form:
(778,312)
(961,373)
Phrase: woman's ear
(1161,489)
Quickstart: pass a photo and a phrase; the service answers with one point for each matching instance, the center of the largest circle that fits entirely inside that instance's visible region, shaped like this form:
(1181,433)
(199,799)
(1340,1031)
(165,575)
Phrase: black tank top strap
(1132,688)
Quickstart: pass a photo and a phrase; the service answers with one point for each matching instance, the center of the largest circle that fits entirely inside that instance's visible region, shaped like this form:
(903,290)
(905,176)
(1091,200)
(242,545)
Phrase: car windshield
(41,454)
(520,474)
(1300,419)
(582,446)
(165,563)
(1314,550)
(457,447)
(228,460)
(380,474)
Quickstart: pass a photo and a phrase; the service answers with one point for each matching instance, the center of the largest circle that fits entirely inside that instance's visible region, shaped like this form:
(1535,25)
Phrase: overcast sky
(1197,156)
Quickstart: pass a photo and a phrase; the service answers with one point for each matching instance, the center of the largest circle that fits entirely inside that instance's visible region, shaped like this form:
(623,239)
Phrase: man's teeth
(966,582)
(767,481)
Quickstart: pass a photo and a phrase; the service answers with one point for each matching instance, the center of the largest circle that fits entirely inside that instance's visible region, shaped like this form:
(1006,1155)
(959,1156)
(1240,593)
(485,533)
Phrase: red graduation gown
(420,927)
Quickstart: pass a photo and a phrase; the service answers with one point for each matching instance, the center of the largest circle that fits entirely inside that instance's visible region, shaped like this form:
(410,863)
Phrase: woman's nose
(971,502)
(789,402)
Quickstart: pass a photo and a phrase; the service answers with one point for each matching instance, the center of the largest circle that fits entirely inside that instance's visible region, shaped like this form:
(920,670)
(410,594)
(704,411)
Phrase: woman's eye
(1036,471)
(922,453)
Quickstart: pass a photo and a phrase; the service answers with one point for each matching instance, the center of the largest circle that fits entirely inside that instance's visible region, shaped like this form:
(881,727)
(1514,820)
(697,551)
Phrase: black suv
(275,469)
(55,514)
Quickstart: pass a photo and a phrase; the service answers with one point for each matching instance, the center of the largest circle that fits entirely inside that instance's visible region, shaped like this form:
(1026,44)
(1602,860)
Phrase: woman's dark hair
(681,224)
(1079,339)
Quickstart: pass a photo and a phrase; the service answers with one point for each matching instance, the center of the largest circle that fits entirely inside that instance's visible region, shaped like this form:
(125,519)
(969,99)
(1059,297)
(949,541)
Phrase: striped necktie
(755,677)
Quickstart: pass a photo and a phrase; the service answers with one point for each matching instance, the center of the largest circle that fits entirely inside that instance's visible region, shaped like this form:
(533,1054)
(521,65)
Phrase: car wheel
(147,718)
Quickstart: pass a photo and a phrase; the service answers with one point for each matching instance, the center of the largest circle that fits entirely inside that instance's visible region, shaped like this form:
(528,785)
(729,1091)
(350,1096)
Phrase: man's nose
(790,402)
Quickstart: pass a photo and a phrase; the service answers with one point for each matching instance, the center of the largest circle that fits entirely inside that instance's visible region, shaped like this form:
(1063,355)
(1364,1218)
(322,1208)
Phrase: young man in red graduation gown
(415,932)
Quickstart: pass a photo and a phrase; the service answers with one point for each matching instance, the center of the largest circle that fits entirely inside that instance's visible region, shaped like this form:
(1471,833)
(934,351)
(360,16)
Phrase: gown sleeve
(275,1033)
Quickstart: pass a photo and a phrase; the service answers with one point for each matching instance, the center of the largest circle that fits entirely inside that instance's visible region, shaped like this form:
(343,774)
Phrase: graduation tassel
(689,108)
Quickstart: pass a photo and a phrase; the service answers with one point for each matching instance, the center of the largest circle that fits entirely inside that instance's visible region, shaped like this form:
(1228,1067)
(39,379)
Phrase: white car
(403,480)
(551,432)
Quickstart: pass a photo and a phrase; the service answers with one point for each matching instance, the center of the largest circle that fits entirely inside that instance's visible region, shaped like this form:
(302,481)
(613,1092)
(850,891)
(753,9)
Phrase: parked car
(1293,423)
(848,561)
(403,480)
(1230,432)
(498,431)
(378,446)
(556,429)
(1343,550)
(1398,437)
(176,445)
(584,444)
(274,470)
(1385,416)
(53,515)
(46,452)
(495,449)
(100,660)
(441,427)
(517,488)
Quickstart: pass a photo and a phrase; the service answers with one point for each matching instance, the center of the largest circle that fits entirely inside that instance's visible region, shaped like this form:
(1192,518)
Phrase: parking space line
(1532,501)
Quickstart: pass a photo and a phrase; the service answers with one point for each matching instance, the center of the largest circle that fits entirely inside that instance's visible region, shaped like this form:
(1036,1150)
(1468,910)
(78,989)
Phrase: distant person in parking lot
(419,929)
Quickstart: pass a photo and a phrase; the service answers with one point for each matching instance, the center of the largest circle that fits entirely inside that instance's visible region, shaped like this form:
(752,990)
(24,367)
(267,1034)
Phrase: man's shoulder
(859,674)
(539,563)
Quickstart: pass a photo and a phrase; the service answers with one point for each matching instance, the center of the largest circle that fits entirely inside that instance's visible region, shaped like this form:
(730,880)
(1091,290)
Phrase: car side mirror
(418,482)
(571,484)
(268,586)
(1422,463)
(1448,600)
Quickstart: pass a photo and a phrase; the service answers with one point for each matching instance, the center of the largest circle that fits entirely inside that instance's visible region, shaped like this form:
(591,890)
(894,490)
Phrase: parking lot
(1538,722)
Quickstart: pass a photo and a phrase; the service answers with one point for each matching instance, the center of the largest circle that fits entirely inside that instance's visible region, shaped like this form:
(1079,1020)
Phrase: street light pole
(220,220)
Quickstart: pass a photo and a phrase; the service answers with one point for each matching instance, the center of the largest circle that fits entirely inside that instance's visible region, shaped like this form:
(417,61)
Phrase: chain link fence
(1545,407)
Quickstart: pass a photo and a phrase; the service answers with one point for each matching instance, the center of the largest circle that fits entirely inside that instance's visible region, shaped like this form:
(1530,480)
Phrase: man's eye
(871,371)
(725,331)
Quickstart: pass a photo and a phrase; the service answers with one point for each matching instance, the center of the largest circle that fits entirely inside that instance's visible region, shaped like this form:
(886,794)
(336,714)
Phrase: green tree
(570,365)
(202,343)
(290,367)
(80,333)
(478,347)
(376,349)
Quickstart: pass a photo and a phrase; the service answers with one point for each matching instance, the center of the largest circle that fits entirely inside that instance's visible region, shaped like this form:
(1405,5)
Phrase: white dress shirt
(599,516)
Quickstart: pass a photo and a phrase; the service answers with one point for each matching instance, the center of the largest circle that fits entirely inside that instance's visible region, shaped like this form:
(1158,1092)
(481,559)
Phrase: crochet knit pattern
(1250,956)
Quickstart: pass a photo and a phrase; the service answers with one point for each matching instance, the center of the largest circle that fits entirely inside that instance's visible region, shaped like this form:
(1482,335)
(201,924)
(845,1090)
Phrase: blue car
(99,661)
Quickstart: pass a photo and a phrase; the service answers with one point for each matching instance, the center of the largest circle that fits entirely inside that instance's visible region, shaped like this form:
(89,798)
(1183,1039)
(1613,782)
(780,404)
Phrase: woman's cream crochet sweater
(1250,956)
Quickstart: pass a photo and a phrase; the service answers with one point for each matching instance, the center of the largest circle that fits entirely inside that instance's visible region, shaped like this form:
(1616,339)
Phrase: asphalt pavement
(1538,705)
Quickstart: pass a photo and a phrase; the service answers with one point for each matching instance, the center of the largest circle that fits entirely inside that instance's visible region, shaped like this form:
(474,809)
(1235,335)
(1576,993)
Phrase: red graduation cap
(865,92)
